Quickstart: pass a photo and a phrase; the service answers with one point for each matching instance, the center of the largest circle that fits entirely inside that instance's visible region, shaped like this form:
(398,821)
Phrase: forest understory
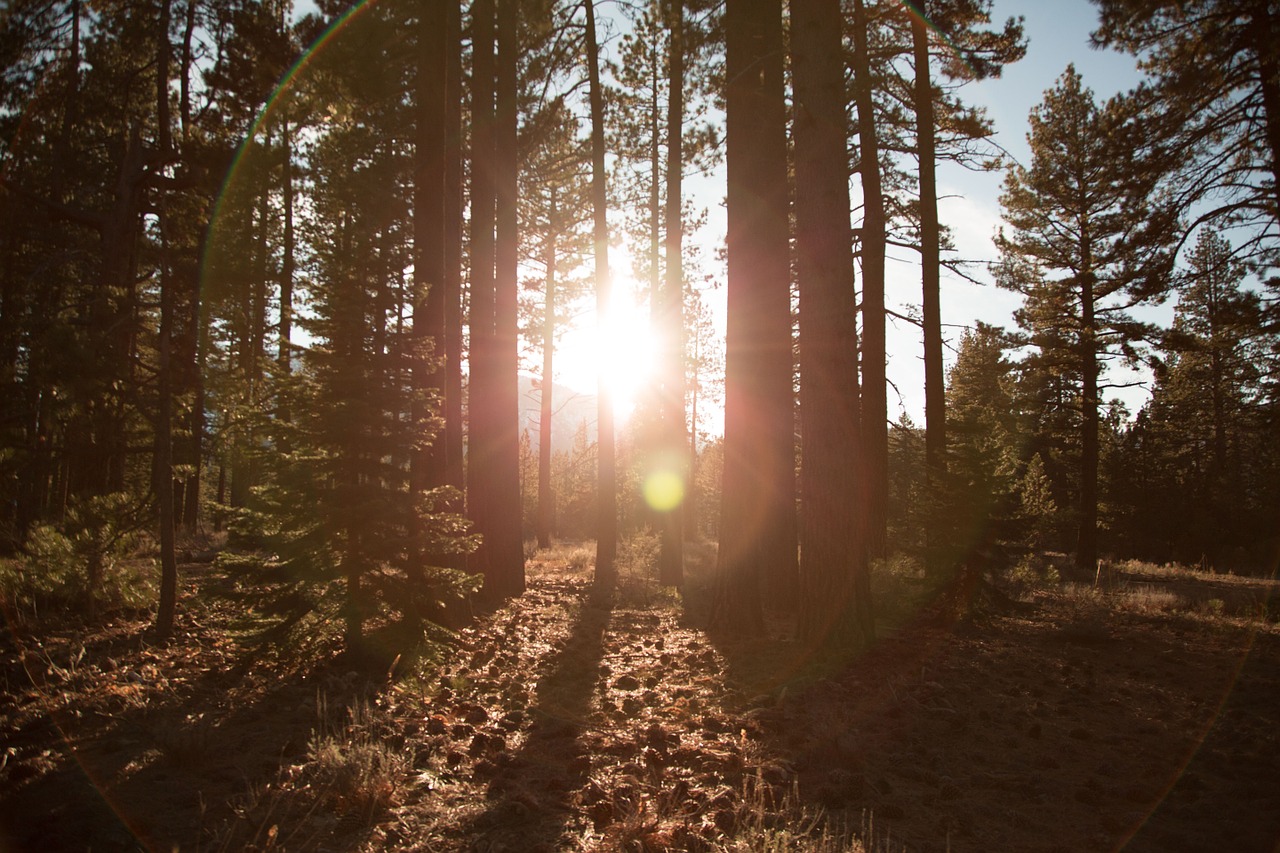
(1141,714)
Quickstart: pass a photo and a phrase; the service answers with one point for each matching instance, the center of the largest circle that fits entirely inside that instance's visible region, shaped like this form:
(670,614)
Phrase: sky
(1058,34)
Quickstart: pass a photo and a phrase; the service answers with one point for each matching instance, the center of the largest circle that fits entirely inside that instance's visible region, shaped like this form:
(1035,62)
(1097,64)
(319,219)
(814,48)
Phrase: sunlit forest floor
(1143,712)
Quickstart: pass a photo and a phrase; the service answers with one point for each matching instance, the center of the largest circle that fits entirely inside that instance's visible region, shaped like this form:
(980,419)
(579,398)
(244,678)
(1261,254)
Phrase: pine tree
(757,524)
(606,572)
(875,405)
(835,599)
(1087,240)
(981,53)
(1203,435)
(983,432)
(1213,106)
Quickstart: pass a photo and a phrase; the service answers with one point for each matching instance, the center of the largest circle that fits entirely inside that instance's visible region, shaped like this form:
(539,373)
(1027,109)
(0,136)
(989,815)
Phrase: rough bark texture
(481,417)
(162,465)
(835,588)
(1087,539)
(757,527)
(935,436)
(506,536)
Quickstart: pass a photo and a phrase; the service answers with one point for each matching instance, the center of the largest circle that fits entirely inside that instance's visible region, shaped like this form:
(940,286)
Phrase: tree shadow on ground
(530,794)
(127,765)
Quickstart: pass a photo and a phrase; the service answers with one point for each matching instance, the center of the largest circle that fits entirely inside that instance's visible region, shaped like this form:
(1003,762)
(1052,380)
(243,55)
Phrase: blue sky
(1057,35)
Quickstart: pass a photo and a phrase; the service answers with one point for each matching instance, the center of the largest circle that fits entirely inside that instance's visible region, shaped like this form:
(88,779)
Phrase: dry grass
(769,824)
(1147,589)
(562,558)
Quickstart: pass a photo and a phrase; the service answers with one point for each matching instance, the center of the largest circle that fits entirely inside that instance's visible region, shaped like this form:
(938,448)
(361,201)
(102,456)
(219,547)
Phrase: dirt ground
(1145,717)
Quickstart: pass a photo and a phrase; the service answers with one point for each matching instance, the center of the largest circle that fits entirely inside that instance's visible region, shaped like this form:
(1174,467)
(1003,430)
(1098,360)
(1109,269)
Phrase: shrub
(352,771)
(82,562)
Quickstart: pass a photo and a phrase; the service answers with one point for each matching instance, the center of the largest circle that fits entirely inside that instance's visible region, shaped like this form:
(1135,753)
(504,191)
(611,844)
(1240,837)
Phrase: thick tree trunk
(427,464)
(606,572)
(507,535)
(757,527)
(935,412)
(481,415)
(875,404)
(835,587)
(162,467)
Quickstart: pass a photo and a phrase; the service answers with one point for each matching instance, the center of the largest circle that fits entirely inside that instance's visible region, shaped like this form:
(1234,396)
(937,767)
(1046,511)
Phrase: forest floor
(1145,716)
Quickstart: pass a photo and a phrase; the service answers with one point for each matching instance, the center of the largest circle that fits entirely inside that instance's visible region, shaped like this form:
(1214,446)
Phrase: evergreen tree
(757,521)
(873,236)
(1212,105)
(983,434)
(972,53)
(1087,240)
(1192,462)
(606,572)
(835,599)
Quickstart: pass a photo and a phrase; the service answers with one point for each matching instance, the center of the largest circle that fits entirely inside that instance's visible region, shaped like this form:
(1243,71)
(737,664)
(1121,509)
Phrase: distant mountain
(569,408)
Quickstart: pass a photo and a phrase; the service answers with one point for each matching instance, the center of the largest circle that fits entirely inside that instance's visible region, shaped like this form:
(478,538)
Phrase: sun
(625,351)
(622,352)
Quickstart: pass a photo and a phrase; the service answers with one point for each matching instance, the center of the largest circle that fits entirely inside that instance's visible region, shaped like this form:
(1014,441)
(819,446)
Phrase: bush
(352,771)
(81,563)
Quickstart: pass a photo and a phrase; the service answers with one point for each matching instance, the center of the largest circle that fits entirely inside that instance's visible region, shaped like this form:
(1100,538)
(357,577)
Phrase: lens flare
(663,490)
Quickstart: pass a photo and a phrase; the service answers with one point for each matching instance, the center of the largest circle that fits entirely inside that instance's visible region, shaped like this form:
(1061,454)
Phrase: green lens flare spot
(663,491)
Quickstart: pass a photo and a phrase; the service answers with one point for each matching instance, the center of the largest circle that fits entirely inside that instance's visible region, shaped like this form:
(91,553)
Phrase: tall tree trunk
(758,503)
(196,422)
(606,573)
(510,550)
(692,521)
(162,467)
(935,433)
(428,460)
(288,262)
(481,416)
(546,500)
(875,403)
(1087,539)
(670,324)
(835,597)
(453,186)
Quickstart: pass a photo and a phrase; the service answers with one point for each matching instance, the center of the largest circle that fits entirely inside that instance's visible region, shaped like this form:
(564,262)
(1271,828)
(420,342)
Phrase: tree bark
(930,255)
(875,405)
(935,412)
(506,533)
(1263,33)
(162,468)
(671,301)
(835,597)
(428,461)
(757,527)
(1087,538)
(606,573)
(453,190)
(480,460)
